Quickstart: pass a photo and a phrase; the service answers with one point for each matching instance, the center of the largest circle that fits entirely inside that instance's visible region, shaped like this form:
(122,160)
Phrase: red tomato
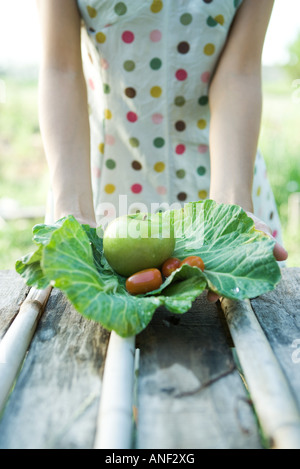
(194,261)
(169,266)
(143,281)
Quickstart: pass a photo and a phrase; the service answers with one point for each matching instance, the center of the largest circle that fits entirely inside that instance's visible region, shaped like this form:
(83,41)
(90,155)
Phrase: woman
(163,104)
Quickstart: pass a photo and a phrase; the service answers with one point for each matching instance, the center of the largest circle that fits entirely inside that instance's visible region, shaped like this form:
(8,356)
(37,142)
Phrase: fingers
(212,297)
(279,252)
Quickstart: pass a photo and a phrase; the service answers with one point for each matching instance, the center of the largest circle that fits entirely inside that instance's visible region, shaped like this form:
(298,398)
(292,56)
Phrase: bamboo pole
(273,400)
(14,344)
(115,418)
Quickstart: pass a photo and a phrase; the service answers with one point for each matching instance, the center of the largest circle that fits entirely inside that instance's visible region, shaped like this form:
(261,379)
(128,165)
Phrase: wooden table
(221,376)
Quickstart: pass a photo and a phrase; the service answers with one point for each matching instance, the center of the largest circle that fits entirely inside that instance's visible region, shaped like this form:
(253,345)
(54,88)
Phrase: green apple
(135,242)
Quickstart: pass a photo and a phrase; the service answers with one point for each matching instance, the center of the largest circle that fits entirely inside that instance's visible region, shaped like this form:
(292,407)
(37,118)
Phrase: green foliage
(23,171)
(293,66)
(280,146)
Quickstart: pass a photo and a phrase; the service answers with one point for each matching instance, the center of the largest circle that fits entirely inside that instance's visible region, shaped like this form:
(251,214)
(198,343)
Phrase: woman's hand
(279,252)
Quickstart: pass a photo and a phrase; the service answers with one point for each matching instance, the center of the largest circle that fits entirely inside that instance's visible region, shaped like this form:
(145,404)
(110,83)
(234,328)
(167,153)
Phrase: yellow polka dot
(201,123)
(258,191)
(156,91)
(220,19)
(91,11)
(107,114)
(100,37)
(109,188)
(202,194)
(209,49)
(159,167)
(101,148)
(156,6)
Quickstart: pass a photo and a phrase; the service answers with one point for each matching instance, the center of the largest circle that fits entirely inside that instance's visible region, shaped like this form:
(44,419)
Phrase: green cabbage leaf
(239,264)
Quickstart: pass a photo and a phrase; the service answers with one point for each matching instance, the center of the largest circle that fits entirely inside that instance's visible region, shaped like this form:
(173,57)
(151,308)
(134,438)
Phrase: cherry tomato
(194,261)
(170,265)
(144,281)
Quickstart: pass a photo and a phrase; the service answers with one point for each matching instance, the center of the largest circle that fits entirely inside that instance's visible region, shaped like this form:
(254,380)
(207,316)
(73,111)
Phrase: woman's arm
(63,110)
(236,104)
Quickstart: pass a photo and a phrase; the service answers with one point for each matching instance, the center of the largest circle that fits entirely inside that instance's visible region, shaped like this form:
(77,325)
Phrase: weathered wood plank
(14,345)
(278,313)
(13,291)
(270,391)
(190,394)
(55,400)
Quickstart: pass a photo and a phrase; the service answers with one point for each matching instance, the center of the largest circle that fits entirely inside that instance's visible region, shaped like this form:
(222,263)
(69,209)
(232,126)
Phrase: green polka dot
(236,3)
(110,164)
(155,63)
(211,21)
(203,100)
(158,142)
(201,170)
(180,173)
(186,19)
(179,101)
(106,88)
(134,142)
(120,8)
(129,65)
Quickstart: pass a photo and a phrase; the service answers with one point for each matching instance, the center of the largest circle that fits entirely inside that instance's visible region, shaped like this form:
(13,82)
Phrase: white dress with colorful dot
(148,65)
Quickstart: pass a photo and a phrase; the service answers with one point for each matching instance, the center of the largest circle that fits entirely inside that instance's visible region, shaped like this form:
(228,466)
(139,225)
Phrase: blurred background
(23,170)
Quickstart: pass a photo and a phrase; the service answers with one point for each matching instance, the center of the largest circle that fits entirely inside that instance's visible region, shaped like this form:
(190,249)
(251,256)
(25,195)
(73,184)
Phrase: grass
(23,170)
(24,173)
(280,144)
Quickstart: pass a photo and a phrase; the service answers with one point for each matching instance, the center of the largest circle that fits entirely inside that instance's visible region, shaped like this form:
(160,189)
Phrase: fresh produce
(193,261)
(137,242)
(144,281)
(239,263)
(170,265)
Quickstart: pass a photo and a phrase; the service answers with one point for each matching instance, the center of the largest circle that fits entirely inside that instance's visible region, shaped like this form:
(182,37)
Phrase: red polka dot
(136,188)
(96,172)
(109,139)
(91,83)
(205,77)
(132,116)
(155,35)
(157,118)
(180,149)
(128,37)
(162,190)
(104,64)
(202,148)
(181,74)
(275,233)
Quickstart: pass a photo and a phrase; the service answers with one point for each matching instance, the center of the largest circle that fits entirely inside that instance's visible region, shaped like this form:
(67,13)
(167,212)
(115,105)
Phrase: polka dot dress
(148,65)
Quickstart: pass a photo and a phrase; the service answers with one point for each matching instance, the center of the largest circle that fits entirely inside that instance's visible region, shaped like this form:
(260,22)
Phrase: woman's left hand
(279,252)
